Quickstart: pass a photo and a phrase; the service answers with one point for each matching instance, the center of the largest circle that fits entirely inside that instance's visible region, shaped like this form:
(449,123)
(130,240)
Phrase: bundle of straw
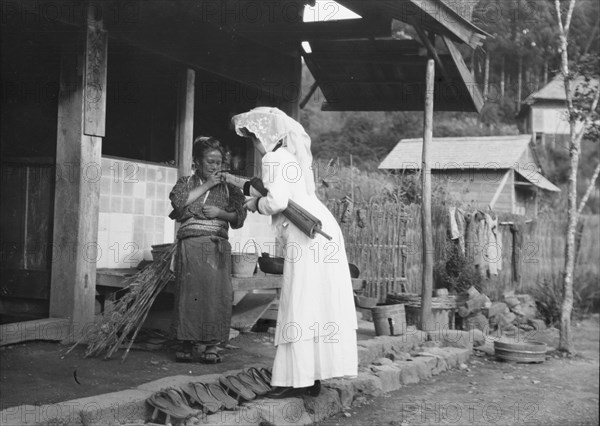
(130,311)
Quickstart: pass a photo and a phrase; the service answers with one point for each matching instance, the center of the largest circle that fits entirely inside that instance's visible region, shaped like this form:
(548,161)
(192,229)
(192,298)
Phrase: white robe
(316,323)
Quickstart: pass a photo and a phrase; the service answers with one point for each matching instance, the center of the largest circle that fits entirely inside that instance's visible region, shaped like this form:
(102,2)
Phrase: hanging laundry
(454,233)
(461,225)
(492,248)
(360,216)
(347,209)
(471,240)
(517,242)
(481,236)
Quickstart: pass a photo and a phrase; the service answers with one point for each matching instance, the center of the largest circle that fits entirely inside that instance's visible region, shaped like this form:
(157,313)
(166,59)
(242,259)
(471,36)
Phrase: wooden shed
(100,104)
(498,171)
(544,113)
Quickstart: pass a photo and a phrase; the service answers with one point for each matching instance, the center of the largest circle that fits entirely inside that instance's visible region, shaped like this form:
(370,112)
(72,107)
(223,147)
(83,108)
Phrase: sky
(327,10)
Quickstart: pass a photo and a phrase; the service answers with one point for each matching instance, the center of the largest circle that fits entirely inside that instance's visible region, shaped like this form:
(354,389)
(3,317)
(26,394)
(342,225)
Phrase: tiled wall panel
(134,208)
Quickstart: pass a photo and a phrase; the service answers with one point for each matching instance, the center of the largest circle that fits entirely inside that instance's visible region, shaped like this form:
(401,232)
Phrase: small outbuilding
(544,113)
(501,172)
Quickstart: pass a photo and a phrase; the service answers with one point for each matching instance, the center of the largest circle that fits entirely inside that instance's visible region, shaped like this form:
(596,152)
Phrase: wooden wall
(477,187)
(26,234)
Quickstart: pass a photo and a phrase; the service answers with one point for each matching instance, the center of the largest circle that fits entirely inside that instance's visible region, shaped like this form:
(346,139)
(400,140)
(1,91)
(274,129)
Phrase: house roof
(538,180)
(448,17)
(365,73)
(387,75)
(477,152)
(459,153)
(555,90)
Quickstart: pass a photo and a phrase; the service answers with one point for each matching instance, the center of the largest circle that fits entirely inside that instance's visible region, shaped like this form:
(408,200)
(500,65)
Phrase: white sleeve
(273,169)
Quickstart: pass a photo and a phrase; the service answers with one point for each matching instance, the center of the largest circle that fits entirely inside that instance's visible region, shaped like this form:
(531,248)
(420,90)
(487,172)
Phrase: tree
(582,92)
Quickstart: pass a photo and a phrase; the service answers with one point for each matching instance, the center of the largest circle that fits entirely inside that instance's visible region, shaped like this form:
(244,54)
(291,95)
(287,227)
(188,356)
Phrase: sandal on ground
(179,401)
(252,384)
(171,404)
(199,393)
(210,357)
(217,391)
(260,378)
(236,388)
(266,372)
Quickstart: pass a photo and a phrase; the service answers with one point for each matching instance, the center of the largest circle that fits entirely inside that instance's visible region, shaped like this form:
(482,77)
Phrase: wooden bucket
(389,320)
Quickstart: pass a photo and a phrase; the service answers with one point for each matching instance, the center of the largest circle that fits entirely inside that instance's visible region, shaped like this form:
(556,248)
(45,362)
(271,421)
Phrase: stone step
(385,366)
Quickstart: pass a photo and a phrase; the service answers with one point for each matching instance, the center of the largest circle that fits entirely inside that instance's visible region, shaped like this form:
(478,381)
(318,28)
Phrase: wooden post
(80,127)
(351,178)
(502,78)
(519,81)
(184,137)
(292,95)
(427,281)
(486,77)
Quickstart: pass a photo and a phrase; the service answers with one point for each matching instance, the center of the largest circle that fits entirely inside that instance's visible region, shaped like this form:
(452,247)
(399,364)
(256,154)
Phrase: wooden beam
(56,329)
(431,49)
(311,92)
(426,227)
(319,30)
(95,81)
(400,105)
(466,75)
(433,15)
(184,133)
(499,190)
(513,194)
(77,194)
(332,58)
(294,80)
(451,21)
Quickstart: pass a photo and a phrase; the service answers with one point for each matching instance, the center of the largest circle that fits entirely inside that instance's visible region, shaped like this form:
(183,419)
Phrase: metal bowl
(270,265)
(520,351)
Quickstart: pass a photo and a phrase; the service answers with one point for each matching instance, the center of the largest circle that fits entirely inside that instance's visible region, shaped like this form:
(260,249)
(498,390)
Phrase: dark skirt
(204,294)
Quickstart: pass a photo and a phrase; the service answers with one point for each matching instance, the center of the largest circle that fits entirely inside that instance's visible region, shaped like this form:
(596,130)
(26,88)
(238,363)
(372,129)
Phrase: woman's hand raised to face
(214,179)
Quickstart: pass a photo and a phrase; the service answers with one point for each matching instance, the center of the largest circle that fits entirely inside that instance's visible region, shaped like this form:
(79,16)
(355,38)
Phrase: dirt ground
(40,372)
(559,391)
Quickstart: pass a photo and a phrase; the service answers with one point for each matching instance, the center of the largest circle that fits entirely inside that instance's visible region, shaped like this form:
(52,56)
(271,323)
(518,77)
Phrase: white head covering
(270,125)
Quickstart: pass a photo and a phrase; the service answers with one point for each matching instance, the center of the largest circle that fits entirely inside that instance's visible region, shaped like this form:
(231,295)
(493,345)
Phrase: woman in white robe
(316,323)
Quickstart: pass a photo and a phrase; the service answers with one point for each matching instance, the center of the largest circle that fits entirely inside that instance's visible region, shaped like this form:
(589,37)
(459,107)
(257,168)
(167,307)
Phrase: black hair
(204,144)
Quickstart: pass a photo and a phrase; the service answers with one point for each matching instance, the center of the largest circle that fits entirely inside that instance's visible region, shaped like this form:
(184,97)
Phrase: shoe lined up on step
(236,388)
(172,403)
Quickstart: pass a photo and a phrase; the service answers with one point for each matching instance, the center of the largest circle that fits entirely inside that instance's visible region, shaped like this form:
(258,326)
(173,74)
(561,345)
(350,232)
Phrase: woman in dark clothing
(205,206)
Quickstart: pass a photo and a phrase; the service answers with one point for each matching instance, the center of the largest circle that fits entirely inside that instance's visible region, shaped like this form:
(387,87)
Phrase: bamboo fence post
(351,179)
(427,278)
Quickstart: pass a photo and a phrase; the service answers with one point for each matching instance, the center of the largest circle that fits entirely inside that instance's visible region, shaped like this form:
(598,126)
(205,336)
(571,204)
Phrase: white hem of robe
(300,363)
